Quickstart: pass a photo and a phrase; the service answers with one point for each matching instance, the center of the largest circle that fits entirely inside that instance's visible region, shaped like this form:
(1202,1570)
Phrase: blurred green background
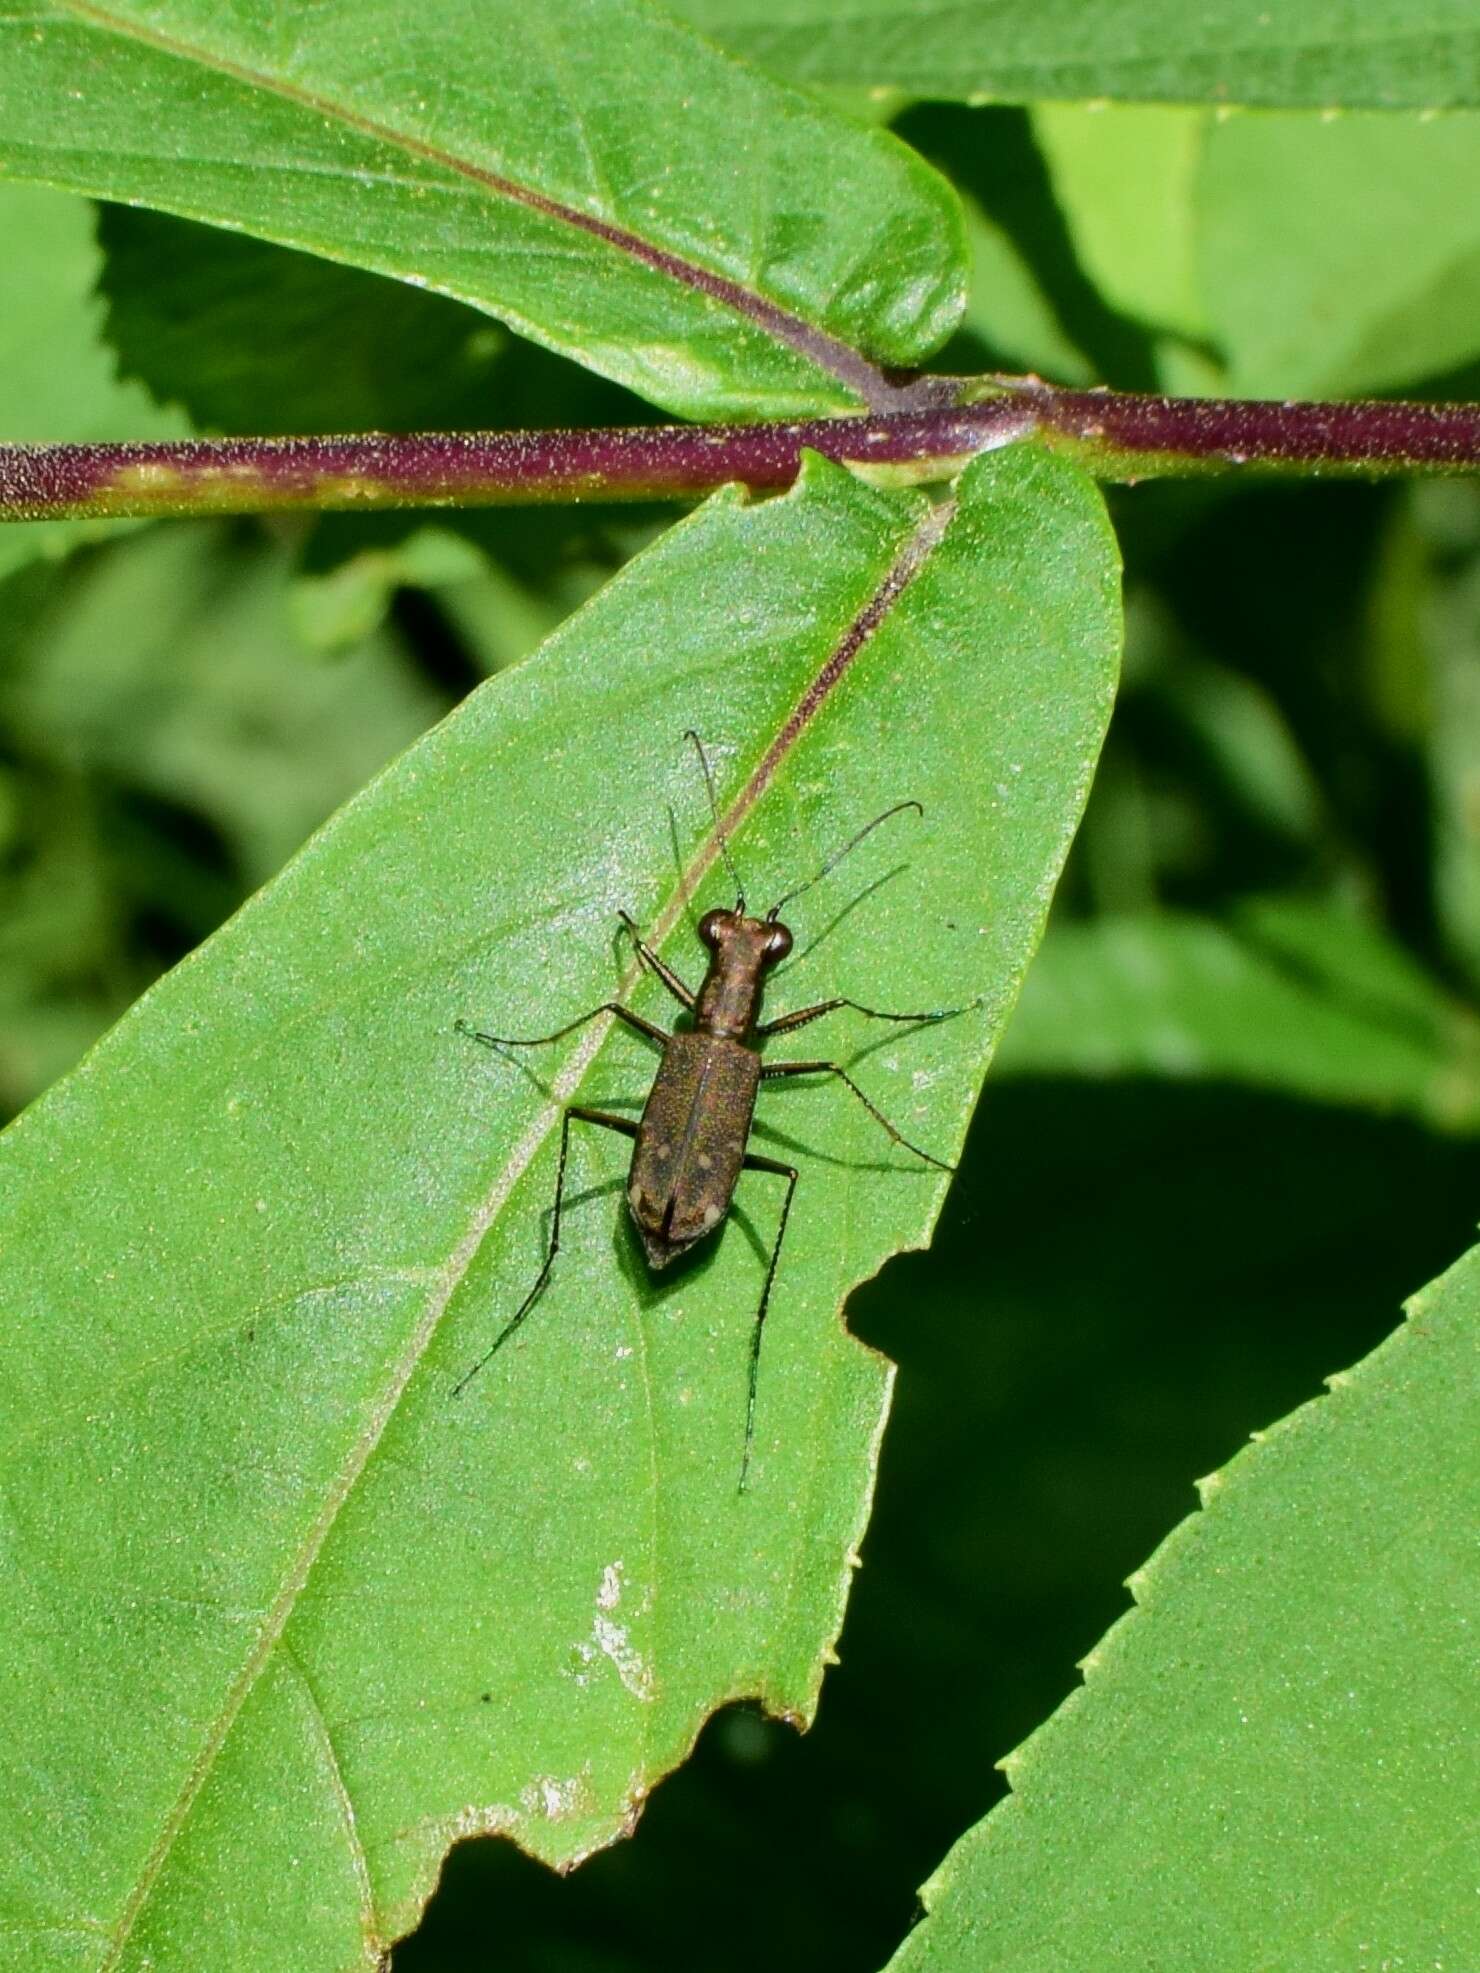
(1236,1118)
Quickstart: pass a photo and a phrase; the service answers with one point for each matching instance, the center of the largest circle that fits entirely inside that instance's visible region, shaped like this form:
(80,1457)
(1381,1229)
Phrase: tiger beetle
(692,1136)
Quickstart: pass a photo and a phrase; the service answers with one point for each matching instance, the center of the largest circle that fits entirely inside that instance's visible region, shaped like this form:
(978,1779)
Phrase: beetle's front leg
(785,1023)
(681,993)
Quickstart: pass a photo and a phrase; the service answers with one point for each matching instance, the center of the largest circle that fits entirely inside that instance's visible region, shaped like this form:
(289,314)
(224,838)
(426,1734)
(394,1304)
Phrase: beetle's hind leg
(575,1113)
(753,1161)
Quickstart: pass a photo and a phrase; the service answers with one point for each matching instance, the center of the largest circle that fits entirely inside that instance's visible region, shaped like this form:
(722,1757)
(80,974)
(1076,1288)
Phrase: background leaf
(263,1554)
(1269,1756)
(1413,54)
(1127,177)
(1013,319)
(58,378)
(576,172)
(1425,631)
(994,158)
(1277,255)
(1282,996)
(1341,255)
(254,338)
(167,740)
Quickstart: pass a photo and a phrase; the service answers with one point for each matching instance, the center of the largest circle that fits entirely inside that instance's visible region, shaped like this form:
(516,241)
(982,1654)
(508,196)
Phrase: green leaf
(1394,54)
(256,339)
(1125,178)
(169,743)
(344,604)
(596,175)
(1283,995)
(57,374)
(1340,255)
(310,1617)
(1424,641)
(1273,1761)
(1008,312)
(175,666)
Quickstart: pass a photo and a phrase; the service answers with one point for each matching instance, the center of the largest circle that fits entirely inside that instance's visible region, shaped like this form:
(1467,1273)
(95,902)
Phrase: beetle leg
(753,1161)
(769,1070)
(681,993)
(574,1113)
(649,1028)
(784,1023)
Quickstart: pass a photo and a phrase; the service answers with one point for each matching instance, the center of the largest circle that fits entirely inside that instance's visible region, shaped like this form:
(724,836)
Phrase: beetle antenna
(724,844)
(833,861)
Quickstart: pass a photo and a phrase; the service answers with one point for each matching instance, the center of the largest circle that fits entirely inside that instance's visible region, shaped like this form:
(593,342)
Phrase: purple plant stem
(1115,436)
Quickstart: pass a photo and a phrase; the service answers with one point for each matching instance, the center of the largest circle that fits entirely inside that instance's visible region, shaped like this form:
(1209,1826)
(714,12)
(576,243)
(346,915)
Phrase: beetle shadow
(686,892)
(653,1287)
(890,1037)
(649,1288)
(839,918)
(650,1285)
(569,1204)
(517,1059)
(769,1133)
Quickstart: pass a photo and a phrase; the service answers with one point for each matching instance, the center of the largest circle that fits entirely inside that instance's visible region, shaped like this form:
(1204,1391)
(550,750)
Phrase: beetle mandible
(693,1135)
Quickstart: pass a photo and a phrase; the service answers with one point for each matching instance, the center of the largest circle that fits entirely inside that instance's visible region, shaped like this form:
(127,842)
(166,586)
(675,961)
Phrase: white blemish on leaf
(612,1640)
(553,1798)
(632,1668)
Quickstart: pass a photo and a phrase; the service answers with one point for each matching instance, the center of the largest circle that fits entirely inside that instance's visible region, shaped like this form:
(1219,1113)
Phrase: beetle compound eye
(710,926)
(777,945)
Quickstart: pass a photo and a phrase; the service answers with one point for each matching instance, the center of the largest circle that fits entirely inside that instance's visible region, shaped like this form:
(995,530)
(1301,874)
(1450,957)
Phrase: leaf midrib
(818,346)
